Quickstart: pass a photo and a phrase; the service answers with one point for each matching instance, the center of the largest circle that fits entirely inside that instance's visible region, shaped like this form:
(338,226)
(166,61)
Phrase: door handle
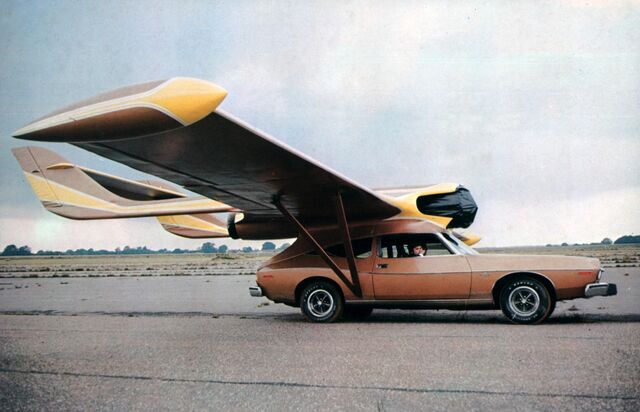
(382,265)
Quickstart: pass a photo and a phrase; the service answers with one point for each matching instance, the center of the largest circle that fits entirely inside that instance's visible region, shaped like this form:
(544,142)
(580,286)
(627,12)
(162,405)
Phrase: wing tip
(131,111)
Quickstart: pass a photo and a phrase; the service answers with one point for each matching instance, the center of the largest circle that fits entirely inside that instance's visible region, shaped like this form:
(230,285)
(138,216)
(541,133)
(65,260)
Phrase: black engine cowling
(458,205)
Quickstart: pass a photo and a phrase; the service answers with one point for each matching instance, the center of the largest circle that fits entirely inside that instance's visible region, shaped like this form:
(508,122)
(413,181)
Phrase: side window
(402,246)
(436,248)
(361,249)
(393,247)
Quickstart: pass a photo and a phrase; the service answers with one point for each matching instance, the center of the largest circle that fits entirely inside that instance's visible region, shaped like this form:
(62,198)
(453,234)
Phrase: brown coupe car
(450,275)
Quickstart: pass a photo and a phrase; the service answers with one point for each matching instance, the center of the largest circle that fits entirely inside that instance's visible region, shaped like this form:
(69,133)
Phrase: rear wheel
(525,300)
(357,312)
(321,302)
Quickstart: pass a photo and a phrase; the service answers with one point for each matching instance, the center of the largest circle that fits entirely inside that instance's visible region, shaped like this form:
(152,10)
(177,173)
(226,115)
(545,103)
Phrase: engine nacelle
(457,205)
(244,227)
(448,204)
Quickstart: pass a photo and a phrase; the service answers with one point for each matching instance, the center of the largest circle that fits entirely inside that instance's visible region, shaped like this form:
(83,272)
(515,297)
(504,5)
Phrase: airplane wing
(215,154)
(174,130)
(222,158)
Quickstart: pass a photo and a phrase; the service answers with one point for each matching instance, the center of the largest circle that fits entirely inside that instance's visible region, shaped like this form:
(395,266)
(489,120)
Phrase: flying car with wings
(355,246)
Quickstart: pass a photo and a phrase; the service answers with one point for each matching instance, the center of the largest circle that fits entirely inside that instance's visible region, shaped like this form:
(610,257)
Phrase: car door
(441,274)
(364,259)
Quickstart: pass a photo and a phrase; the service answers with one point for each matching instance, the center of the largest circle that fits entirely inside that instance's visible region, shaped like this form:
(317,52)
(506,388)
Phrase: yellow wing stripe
(184,99)
(41,188)
(47,190)
(189,100)
(191,222)
(471,239)
(408,205)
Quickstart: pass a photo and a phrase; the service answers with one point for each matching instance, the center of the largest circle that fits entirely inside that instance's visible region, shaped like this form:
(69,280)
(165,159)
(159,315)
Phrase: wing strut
(354,283)
(348,247)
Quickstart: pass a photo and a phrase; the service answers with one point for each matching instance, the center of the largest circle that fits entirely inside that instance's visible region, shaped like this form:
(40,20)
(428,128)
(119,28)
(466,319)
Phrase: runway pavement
(201,343)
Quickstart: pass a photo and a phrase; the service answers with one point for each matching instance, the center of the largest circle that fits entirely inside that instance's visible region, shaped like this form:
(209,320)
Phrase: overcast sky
(534,106)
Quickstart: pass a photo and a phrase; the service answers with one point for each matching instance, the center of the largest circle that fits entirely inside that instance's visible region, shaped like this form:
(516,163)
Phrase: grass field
(243,263)
(609,255)
(132,265)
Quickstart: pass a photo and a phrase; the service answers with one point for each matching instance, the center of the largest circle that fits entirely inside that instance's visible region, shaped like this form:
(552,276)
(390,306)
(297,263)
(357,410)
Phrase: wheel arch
(300,286)
(497,287)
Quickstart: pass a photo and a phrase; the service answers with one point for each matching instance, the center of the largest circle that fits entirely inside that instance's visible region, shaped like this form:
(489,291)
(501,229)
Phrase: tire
(356,312)
(553,307)
(321,302)
(525,300)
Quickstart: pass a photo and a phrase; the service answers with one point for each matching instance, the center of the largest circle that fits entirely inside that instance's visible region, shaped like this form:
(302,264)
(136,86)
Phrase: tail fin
(196,226)
(79,193)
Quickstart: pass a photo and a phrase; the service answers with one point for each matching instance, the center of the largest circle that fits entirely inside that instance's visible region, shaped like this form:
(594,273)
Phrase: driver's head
(418,250)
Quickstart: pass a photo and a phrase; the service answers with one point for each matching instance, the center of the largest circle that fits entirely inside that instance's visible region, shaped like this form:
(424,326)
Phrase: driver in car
(418,250)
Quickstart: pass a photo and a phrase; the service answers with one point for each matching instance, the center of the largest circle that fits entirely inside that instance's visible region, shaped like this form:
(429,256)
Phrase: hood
(532,262)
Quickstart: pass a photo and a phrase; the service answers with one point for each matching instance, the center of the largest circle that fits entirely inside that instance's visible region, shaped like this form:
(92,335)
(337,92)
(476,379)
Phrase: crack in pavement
(318,386)
(379,317)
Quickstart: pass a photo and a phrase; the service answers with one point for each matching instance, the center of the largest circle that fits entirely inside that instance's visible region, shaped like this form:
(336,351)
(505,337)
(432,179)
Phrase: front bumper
(255,291)
(600,289)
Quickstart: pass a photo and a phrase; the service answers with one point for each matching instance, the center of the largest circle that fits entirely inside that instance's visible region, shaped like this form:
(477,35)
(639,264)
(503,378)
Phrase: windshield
(460,245)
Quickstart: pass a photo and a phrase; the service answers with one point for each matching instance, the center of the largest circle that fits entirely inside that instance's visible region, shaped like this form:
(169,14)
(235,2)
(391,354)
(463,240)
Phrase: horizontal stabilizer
(198,226)
(79,193)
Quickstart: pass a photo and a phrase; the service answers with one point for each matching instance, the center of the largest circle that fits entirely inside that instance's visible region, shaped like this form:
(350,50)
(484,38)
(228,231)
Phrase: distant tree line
(207,247)
(13,250)
(627,239)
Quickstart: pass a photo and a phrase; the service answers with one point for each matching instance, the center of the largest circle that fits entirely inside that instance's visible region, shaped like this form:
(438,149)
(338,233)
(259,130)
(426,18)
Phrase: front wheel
(321,302)
(525,300)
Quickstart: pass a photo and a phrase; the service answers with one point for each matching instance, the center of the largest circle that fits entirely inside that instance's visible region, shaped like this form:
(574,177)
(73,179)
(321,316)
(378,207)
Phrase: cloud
(525,103)
(507,222)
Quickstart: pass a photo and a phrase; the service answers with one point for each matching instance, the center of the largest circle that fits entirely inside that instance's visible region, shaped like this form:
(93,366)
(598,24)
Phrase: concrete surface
(185,343)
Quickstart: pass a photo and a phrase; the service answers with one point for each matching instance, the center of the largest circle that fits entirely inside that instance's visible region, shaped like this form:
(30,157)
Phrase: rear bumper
(255,291)
(600,289)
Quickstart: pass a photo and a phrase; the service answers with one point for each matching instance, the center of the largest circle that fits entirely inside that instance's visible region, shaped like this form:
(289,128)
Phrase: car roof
(331,235)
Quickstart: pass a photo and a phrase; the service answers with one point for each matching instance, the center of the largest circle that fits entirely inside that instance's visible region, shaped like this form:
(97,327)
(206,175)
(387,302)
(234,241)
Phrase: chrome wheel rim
(524,301)
(320,303)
